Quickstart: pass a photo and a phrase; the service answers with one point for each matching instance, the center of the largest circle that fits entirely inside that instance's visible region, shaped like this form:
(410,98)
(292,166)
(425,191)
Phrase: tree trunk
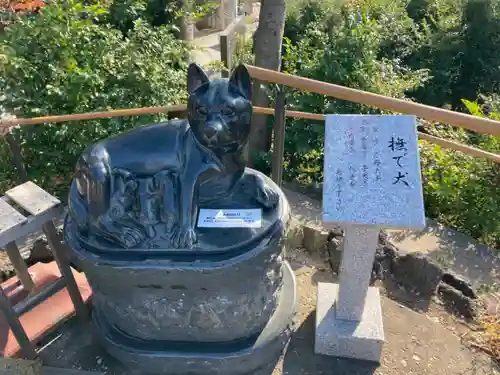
(267,48)
(186,23)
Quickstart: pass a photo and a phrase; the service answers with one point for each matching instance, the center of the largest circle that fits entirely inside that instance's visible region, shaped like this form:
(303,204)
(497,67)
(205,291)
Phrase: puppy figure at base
(125,186)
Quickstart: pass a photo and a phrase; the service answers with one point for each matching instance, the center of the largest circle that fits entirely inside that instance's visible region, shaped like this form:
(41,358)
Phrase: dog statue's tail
(94,181)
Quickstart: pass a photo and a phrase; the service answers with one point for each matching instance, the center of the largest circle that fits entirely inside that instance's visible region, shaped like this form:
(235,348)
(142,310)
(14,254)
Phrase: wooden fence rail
(481,125)
(430,138)
(478,124)
(7,123)
(10,122)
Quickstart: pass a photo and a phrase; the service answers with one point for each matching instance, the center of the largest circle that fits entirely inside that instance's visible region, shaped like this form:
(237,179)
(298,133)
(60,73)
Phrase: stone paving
(207,47)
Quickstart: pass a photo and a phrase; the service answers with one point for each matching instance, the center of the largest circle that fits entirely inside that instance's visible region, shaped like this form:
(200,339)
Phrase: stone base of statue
(224,306)
(243,355)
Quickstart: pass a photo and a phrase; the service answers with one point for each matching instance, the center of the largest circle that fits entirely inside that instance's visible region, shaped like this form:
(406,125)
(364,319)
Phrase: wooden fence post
(228,43)
(226,56)
(279,137)
(17,158)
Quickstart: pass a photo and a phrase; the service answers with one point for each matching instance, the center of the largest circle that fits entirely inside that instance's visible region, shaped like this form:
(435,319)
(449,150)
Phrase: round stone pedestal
(224,307)
(242,356)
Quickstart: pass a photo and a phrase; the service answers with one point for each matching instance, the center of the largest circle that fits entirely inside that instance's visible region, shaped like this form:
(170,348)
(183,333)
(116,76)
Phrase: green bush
(461,190)
(434,51)
(123,13)
(63,61)
(460,51)
(350,56)
(302,15)
(455,40)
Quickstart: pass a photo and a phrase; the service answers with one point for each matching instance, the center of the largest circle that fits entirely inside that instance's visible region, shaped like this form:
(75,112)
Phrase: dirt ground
(421,337)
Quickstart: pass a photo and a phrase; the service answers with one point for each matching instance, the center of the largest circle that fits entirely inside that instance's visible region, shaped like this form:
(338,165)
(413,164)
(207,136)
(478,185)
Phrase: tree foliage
(66,60)
(350,53)
(438,52)
(461,190)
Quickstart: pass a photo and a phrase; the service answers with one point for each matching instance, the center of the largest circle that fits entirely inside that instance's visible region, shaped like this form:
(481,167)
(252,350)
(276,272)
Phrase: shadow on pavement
(406,297)
(301,360)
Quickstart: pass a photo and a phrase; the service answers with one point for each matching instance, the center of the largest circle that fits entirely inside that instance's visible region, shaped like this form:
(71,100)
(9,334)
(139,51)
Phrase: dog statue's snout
(211,130)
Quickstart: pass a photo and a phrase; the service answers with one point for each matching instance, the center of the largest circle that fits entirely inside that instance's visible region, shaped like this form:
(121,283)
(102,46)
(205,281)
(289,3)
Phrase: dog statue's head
(220,111)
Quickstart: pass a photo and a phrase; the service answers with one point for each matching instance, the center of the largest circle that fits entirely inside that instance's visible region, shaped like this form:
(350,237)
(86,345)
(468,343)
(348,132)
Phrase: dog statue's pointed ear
(241,79)
(196,77)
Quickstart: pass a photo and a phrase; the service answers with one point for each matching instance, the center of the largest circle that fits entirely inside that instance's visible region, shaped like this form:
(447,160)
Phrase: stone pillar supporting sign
(372,180)
(357,267)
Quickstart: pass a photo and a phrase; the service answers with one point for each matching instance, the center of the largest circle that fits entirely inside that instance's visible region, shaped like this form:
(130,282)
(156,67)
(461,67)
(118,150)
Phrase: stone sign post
(371,180)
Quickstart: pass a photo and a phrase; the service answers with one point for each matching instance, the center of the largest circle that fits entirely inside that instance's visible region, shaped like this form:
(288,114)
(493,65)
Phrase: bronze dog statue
(127,184)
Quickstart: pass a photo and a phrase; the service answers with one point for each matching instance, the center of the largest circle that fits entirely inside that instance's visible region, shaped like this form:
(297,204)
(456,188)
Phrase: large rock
(40,252)
(384,259)
(457,302)
(294,234)
(454,251)
(460,283)
(418,273)
(334,248)
(315,239)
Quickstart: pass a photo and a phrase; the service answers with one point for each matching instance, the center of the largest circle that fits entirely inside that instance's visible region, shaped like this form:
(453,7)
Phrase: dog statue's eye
(227,111)
(202,110)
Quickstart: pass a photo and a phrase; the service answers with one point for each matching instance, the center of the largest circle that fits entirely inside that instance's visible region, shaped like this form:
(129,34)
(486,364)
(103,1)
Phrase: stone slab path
(207,46)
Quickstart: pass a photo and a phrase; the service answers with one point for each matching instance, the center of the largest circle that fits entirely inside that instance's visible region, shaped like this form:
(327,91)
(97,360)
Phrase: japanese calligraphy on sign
(372,171)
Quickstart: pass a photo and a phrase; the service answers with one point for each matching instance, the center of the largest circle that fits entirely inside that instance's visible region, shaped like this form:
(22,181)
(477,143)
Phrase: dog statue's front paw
(266,196)
(132,237)
(183,238)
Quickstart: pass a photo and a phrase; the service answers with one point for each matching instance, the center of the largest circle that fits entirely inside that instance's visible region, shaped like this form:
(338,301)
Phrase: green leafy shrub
(421,10)
(122,14)
(302,15)
(63,62)
(349,56)
(461,190)
(438,52)
(460,52)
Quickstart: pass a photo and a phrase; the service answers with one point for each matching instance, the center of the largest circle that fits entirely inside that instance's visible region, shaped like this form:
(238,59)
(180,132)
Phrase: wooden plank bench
(25,209)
